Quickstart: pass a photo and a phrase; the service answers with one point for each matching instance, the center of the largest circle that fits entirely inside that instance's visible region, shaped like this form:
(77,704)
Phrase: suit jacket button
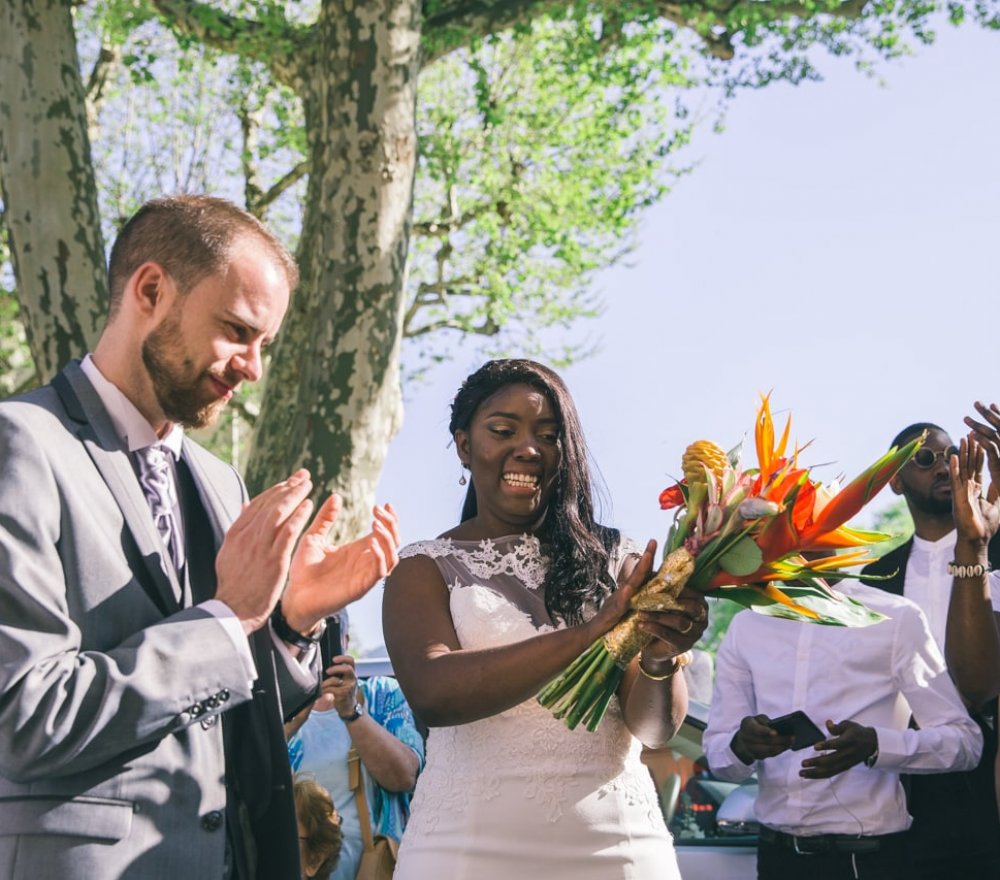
(212,821)
(224,694)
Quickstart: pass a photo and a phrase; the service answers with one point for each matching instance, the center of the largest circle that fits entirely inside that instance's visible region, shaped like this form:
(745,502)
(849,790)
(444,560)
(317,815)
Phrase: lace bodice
(495,599)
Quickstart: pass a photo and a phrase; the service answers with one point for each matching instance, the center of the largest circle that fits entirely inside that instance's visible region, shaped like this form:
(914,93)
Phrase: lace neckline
(517,555)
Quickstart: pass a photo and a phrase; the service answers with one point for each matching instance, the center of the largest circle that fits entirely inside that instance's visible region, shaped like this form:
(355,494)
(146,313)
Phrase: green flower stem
(558,694)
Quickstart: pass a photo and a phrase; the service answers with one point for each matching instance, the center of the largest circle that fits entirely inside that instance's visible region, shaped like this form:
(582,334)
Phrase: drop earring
(461,480)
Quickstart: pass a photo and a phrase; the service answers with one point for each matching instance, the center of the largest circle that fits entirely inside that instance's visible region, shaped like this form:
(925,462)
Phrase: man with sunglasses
(945,568)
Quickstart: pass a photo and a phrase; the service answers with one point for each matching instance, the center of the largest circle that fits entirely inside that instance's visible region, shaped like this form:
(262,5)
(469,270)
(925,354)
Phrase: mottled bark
(332,401)
(48,183)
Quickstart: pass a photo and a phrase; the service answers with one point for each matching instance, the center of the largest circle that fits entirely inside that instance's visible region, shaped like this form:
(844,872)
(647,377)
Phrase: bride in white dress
(478,620)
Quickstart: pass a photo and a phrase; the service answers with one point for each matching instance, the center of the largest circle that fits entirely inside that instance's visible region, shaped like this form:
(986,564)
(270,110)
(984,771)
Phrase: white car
(715,832)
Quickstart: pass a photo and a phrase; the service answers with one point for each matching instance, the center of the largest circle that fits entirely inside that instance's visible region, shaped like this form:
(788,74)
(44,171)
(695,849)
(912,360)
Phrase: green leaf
(743,558)
(834,609)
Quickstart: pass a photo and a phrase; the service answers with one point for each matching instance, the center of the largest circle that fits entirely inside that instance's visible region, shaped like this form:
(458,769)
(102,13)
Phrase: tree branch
(444,226)
(454,24)
(276,43)
(103,64)
(489,327)
(249,125)
(280,186)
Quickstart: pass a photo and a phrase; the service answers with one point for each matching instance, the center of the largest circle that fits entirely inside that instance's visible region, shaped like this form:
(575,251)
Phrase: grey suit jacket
(111,765)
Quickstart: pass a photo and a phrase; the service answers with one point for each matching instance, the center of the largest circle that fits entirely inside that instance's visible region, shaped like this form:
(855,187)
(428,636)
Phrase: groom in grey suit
(155,626)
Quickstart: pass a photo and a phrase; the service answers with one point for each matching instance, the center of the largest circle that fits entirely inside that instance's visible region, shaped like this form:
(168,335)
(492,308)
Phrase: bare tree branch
(489,327)
(444,226)
(249,129)
(103,65)
(280,186)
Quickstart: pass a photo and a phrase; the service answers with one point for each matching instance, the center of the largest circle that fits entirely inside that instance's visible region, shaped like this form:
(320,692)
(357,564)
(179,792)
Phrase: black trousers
(777,862)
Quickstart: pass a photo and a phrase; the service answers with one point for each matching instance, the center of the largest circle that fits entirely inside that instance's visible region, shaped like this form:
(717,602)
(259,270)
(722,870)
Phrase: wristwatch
(359,710)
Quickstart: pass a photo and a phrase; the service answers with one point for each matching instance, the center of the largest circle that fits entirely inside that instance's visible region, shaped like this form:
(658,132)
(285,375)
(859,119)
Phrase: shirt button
(212,821)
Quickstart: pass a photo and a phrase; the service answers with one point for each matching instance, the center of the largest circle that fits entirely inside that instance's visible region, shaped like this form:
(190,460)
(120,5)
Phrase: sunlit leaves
(539,149)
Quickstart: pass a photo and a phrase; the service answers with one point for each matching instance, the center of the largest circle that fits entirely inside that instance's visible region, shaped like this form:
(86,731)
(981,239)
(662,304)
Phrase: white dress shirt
(875,675)
(928,583)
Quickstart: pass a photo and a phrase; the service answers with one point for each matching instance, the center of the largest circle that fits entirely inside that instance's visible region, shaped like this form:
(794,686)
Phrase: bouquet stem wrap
(584,690)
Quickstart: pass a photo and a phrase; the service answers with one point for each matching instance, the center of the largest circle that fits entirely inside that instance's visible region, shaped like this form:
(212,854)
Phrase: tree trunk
(333,401)
(48,183)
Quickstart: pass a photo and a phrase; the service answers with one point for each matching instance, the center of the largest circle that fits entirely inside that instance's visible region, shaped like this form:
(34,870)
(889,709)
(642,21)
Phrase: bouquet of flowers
(737,534)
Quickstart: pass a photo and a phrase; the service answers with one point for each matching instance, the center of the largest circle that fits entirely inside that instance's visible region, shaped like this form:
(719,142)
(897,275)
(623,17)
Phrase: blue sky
(837,244)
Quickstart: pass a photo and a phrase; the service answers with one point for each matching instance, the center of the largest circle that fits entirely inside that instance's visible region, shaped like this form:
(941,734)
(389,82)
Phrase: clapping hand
(977,515)
(324,579)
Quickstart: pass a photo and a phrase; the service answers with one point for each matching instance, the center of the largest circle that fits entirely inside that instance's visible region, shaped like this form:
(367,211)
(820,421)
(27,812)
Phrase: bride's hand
(674,632)
(616,606)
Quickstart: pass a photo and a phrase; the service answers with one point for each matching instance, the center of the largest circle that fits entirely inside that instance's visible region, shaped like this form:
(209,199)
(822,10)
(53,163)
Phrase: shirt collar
(945,542)
(131,426)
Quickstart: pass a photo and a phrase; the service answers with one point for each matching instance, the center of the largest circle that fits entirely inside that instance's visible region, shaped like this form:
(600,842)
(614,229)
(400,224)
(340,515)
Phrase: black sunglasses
(924,458)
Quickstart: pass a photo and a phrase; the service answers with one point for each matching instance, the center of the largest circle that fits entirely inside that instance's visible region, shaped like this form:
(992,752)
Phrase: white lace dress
(518,796)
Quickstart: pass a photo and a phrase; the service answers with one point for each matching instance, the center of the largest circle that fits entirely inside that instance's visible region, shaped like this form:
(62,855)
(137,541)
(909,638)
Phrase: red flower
(672,496)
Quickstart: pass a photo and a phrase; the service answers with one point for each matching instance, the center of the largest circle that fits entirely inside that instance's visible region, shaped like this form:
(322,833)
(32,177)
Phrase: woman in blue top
(373,716)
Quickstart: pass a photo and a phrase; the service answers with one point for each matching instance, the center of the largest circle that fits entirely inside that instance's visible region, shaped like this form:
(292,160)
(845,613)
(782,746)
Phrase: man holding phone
(371,718)
(838,811)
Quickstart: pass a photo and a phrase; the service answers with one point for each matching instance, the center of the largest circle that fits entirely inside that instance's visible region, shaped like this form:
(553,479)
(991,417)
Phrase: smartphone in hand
(800,727)
(332,642)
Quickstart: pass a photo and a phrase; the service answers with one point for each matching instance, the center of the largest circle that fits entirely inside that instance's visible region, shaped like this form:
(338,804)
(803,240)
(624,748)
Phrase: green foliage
(169,118)
(540,148)
(720,615)
(893,520)
(541,142)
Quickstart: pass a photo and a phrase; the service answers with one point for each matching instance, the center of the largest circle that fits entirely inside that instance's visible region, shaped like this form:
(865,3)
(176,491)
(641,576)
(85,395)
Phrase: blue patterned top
(320,749)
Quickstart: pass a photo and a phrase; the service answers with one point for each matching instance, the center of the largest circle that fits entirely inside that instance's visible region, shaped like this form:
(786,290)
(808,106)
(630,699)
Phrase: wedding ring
(690,626)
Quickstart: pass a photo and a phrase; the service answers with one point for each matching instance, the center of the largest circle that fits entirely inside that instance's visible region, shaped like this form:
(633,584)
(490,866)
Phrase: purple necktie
(157,482)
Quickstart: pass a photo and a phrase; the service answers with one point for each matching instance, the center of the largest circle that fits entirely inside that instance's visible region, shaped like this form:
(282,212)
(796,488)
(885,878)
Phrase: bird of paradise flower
(738,534)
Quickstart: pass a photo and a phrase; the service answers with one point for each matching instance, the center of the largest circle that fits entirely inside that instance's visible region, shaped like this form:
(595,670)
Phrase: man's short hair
(190,237)
(911,432)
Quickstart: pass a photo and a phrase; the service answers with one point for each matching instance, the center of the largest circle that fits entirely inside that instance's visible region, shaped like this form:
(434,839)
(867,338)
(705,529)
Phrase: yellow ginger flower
(700,455)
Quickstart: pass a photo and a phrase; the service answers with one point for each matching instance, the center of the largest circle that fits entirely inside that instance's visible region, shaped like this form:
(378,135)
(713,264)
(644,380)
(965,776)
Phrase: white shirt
(875,675)
(928,583)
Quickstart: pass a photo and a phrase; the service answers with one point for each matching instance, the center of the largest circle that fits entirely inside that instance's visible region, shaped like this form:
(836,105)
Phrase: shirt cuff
(892,750)
(727,765)
(234,629)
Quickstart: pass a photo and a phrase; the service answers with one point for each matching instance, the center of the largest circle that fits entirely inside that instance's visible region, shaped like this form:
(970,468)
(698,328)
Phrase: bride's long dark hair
(577,546)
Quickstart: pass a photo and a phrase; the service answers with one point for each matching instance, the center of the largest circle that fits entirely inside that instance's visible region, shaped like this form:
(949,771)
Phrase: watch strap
(284,632)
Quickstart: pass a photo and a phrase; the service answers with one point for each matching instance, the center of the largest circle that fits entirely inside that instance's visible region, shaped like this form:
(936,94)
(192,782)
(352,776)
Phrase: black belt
(826,843)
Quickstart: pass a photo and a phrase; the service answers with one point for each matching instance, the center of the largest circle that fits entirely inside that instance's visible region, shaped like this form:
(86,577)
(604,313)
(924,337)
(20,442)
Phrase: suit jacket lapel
(890,570)
(112,460)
